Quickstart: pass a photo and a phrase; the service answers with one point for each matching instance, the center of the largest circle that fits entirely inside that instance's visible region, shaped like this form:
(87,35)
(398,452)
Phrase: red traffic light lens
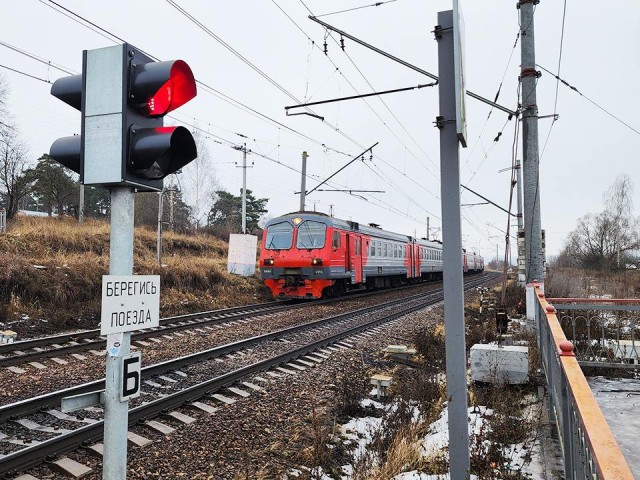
(175,92)
(160,87)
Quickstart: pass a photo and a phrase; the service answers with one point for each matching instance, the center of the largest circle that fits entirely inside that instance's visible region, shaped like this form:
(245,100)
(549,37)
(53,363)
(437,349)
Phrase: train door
(348,252)
(356,260)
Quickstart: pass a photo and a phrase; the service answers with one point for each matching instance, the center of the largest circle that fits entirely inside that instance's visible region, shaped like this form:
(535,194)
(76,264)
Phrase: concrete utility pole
(428,218)
(244,188)
(522,263)
(528,77)
(244,185)
(303,183)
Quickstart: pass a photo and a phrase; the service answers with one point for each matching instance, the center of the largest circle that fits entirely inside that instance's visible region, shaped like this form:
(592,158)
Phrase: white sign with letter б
(129,302)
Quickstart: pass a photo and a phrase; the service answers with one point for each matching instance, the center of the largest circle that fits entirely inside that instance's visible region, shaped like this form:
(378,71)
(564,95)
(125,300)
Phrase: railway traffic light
(123,95)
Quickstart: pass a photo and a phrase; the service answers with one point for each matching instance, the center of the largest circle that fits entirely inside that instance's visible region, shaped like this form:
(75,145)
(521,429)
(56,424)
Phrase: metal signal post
(122,95)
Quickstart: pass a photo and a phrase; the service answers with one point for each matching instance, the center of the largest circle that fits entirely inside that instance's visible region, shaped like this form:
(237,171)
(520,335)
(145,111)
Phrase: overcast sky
(586,149)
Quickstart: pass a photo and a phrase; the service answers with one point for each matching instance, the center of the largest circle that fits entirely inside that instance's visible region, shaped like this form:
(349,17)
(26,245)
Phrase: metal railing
(604,332)
(3,220)
(589,448)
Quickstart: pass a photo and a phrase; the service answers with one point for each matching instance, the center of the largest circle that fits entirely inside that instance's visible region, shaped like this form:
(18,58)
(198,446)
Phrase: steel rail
(168,325)
(26,407)
(34,455)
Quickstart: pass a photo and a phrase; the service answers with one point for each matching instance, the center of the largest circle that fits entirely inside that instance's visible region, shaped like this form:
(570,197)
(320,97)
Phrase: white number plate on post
(130,366)
(129,302)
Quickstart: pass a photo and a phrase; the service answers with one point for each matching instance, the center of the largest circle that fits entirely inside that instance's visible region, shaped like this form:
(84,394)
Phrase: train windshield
(279,236)
(311,234)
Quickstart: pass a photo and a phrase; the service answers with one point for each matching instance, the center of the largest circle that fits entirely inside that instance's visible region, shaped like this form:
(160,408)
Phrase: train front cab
(307,256)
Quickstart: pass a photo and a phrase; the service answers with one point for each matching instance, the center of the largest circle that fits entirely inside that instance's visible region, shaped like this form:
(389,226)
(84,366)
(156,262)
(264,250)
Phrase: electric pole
(244,186)
(529,77)
(303,183)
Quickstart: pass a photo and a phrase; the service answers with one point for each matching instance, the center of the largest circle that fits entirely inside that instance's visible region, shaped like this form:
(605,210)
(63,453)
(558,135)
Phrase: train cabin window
(336,240)
(311,235)
(279,236)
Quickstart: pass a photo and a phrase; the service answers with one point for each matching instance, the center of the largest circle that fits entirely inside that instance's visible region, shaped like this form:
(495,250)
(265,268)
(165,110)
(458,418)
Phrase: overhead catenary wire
(555,102)
(377,4)
(358,92)
(206,88)
(236,103)
(254,67)
(386,106)
(575,89)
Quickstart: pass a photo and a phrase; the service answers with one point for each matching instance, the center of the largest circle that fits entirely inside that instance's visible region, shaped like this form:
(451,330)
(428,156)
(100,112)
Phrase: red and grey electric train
(312,255)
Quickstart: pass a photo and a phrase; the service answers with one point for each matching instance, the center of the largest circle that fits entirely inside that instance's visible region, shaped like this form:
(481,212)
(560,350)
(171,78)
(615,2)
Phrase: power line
(588,99)
(248,62)
(555,102)
(103,32)
(386,106)
(377,4)
(34,57)
(25,74)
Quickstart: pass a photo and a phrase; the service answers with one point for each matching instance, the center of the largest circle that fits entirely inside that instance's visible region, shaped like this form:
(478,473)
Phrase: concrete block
(253,386)
(138,440)
(239,392)
(25,477)
(500,364)
(181,417)
(59,361)
(223,399)
(37,365)
(296,367)
(72,468)
(160,427)
(17,370)
(204,407)
(78,356)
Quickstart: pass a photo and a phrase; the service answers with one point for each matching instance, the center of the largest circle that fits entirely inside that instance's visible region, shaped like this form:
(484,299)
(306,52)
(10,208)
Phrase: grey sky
(586,151)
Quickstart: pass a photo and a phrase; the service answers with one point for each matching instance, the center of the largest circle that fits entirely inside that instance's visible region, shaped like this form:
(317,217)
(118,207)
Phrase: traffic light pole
(116,415)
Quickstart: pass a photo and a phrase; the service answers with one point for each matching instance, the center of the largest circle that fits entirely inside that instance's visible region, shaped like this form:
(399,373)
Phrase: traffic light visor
(161,151)
(160,87)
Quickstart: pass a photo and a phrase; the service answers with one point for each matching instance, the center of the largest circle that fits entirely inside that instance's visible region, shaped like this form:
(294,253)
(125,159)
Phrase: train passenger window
(379,249)
(372,253)
(336,240)
(311,234)
(279,236)
(384,250)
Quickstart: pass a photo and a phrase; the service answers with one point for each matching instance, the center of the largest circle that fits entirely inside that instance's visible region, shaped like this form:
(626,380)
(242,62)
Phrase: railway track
(185,388)
(34,350)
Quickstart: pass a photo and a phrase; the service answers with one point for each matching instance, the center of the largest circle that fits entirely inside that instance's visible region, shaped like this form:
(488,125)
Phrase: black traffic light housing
(123,95)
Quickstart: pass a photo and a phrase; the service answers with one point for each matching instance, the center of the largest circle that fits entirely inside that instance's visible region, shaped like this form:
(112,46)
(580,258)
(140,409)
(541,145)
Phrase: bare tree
(600,240)
(13,166)
(199,183)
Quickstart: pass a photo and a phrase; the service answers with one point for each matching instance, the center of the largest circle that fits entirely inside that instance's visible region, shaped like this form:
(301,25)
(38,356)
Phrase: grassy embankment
(51,270)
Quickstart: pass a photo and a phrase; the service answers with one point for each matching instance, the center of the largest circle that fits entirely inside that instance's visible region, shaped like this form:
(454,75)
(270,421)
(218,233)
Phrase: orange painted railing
(589,447)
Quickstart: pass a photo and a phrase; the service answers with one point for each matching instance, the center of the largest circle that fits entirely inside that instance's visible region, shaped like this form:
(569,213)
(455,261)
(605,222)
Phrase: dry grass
(51,269)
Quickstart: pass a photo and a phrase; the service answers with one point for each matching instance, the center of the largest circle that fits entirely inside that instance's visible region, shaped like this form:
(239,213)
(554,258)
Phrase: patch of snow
(367,402)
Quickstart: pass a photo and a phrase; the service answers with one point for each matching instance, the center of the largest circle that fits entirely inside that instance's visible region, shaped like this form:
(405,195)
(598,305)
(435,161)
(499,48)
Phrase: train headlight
(269,261)
(316,261)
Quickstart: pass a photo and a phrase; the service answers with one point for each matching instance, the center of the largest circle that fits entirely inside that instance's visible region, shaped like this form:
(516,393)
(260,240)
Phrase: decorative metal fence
(589,448)
(604,332)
